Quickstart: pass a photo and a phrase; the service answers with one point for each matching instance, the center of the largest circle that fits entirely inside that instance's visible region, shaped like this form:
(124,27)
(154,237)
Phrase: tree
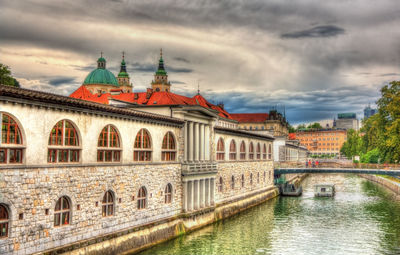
(6,78)
(315,125)
(291,129)
(353,145)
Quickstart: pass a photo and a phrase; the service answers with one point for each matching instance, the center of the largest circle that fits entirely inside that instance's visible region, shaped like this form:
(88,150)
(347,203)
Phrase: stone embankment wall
(388,184)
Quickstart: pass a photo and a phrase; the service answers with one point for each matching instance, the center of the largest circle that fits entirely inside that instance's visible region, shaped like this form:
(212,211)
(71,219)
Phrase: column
(190,196)
(191,141)
(207,142)
(196,195)
(201,142)
(185,136)
(201,193)
(212,190)
(196,141)
(207,192)
(185,195)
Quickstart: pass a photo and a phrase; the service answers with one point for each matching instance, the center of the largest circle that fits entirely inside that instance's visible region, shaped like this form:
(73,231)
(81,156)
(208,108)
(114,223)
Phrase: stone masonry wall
(31,191)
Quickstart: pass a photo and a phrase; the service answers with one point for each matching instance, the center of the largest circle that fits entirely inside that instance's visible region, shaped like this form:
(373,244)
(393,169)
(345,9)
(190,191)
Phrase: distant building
(346,121)
(323,141)
(368,112)
(273,122)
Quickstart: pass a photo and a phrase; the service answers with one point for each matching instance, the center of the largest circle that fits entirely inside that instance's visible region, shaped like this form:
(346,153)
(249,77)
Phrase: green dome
(101,76)
(101,59)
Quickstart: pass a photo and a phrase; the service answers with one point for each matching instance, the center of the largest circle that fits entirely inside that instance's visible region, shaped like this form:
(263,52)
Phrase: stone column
(207,192)
(212,190)
(196,142)
(201,193)
(185,136)
(201,142)
(207,142)
(190,196)
(196,195)
(190,142)
(185,195)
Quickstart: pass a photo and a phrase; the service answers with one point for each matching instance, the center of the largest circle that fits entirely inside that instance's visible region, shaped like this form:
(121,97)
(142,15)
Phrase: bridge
(280,171)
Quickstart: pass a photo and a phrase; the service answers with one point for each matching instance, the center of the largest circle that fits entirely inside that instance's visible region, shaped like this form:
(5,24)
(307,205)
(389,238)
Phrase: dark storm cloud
(151,68)
(177,82)
(182,60)
(315,32)
(61,80)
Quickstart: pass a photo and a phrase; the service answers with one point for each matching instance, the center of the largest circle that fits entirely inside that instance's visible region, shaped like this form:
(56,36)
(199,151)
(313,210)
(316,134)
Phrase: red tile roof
(156,98)
(249,117)
(292,136)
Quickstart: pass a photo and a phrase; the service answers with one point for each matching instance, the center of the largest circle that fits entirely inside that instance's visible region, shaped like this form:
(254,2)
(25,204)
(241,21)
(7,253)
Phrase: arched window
(63,143)
(242,180)
(264,176)
(269,151)
(142,151)
(258,151)
(220,184)
(232,150)
(251,151)
(233,182)
(11,140)
(264,152)
(108,204)
(251,179)
(258,177)
(242,151)
(168,193)
(168,152)
(109,145)
(142,198)
(62,212)
(4,221)
(220,149)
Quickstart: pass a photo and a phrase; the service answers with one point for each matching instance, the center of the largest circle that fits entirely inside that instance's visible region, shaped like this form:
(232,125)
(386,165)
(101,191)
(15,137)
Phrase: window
(4,221)
(242,180)
(108,204)
(258,177)
(142,150)
(168,152)
(251,151)
(265,151)
(63,143)
(168,193)
(142,198)
(264,176)
(232,150)
(11,141)
(233,182)
(62,212)
(242,151)
(220,149)
(258,151)
(251,179)
(220,184)
(109,145)
(269,151)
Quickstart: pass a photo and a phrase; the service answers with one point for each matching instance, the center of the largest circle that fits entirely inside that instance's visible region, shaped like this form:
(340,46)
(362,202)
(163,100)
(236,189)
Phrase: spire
(198,87)
(161,70)
(122,71)
(101,62)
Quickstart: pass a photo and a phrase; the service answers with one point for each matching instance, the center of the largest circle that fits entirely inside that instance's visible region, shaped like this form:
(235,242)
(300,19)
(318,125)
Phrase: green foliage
(315,125)
(380,136)
(6,78)
(291,129)
(371,156)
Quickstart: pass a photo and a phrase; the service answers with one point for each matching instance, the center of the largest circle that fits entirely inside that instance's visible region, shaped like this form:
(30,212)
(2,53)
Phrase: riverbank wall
(135,239)
(390,185)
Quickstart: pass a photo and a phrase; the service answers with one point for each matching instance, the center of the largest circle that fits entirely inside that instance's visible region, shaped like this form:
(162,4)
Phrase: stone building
(106,169)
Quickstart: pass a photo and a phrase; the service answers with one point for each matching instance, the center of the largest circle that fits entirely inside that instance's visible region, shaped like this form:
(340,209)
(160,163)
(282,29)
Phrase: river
(361,219)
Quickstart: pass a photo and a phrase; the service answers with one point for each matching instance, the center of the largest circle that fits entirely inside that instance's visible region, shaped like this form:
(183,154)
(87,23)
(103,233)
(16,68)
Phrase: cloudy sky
(318,58)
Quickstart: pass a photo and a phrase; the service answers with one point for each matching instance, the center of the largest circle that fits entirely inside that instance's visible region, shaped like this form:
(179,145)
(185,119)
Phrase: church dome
(101,76)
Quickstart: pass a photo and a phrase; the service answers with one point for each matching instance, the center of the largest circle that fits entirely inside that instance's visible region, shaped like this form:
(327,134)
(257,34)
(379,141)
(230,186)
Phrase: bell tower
(160,82)
(123,77)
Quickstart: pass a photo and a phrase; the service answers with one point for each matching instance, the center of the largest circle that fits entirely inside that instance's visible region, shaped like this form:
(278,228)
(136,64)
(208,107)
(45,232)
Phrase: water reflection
(361,219)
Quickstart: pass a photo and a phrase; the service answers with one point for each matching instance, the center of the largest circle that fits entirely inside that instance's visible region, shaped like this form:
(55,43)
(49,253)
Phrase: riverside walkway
(294,170)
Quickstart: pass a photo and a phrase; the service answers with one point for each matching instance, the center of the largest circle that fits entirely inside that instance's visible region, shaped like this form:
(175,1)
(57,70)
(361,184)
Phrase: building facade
(98,168)
(322,142)
(347,121)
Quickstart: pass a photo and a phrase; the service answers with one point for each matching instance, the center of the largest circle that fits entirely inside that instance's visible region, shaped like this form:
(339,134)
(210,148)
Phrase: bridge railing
(335,164)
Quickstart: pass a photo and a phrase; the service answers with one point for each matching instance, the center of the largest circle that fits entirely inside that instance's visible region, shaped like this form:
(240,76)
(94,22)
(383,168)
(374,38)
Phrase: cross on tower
(101,54)
(123,55)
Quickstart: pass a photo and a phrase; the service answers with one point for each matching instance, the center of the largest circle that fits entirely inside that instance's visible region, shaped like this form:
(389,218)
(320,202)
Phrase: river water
(361,219)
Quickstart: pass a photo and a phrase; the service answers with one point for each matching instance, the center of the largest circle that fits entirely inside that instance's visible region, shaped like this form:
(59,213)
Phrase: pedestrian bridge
(280,171)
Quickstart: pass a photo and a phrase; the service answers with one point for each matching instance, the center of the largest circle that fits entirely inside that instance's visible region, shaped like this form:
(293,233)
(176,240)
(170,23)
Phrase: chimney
(148,93)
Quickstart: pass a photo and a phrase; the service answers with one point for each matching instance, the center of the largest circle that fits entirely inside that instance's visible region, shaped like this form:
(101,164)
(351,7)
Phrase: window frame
(168,152)
(62,211)
(258,151)
(63,153)
(232,150)
(4,222)
(141,153)
(106,151)
(220,184)
(242,150)
(220,150)
(232,182)
(251,150)
(107,206)
(12,152)
(168,191)
(269,151)
(142,198)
